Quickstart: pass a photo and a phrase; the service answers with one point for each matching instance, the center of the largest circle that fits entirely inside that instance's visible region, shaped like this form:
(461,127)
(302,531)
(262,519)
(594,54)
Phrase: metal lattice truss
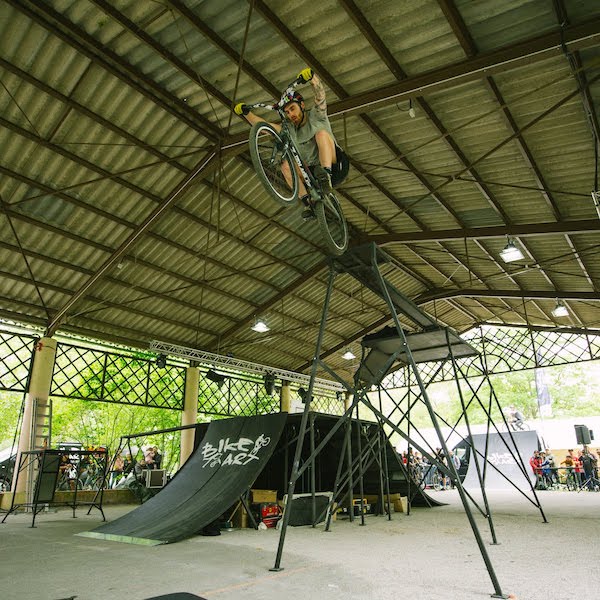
(229,362)
(15,360)
(89,374)
(507,349)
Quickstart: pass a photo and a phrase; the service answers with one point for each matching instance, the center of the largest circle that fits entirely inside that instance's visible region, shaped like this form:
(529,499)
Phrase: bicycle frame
(309,181)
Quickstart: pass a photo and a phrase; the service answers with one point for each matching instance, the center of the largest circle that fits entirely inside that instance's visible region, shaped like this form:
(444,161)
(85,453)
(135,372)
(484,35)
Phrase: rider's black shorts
(340,168)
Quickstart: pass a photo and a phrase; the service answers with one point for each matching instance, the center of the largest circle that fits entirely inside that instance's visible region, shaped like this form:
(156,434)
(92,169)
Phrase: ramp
(276,475)
(499,455)
(230,457)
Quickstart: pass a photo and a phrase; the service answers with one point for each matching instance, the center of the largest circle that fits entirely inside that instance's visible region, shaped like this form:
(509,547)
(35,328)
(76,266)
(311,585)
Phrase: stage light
(560,310)
(161,361)
(215,377)
(269,381)
(511,252)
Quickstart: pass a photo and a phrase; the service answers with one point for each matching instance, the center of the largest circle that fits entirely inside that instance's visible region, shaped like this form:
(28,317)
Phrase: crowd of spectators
(578,470)
(426,472)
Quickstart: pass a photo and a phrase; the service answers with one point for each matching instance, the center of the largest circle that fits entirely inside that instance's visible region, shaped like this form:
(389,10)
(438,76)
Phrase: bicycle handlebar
(275,105)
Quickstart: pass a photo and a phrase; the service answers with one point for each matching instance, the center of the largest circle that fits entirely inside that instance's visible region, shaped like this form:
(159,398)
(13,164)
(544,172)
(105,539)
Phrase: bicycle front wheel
(332,224)
(273,164)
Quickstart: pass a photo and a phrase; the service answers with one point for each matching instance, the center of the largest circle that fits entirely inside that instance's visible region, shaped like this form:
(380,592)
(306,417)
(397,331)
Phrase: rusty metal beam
(203,168)
(577,37)
(497,231)
(522,294)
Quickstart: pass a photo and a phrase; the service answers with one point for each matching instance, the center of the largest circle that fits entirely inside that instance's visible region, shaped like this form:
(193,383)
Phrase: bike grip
(305,75)
(241,109)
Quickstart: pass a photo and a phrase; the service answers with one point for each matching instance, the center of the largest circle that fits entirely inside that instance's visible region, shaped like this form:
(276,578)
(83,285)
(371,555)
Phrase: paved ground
(430,555)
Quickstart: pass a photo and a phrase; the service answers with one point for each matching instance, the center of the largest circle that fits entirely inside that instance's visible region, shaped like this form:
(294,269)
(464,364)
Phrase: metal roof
(131,211)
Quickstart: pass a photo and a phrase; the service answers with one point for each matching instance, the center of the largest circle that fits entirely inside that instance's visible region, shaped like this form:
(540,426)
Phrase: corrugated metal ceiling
(106,107)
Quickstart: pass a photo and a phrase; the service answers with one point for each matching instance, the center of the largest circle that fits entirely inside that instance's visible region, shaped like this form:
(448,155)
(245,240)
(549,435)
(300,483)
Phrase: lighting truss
(236,364)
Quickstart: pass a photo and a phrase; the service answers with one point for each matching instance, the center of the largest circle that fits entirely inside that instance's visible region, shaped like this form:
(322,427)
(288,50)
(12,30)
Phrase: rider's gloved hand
(241,109)
(305,75)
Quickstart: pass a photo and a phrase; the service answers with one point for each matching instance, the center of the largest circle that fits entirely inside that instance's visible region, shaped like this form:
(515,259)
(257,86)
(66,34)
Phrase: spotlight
(260,326)
(560,310)
(161,361)
(215,377)
(340,396)
(304,395)
(511,252)
(269,381)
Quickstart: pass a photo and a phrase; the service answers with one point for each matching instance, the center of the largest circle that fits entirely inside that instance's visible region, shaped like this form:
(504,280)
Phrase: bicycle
(277,163)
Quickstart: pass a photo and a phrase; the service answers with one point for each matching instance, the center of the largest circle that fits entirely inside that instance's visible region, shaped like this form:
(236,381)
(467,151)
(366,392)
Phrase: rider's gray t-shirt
(305,136)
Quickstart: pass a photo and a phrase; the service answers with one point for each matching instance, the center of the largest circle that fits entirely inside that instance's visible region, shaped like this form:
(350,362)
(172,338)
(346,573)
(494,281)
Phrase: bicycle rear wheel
(332,224)
(273,164)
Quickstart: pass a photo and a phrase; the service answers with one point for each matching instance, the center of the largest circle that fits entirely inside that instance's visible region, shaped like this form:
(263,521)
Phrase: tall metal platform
(414,338)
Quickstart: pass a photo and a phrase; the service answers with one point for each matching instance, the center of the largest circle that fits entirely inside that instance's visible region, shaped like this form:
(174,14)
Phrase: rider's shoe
(323,176)
(309,212)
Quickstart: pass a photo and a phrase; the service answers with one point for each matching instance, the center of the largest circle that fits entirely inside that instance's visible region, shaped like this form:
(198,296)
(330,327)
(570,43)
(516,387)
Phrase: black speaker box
(582,433)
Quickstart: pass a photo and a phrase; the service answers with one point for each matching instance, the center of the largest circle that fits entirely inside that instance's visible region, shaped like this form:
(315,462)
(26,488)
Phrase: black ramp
(499,455)
(230,457)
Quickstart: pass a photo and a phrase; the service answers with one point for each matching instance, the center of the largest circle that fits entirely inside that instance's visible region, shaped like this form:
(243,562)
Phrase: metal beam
(204,167)
(530,294)
(229,362)
(496,231)
(577,37)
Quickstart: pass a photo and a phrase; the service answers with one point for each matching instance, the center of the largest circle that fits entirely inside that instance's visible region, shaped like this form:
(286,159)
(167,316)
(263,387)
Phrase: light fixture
(411,111)
(215,377)
(161,361)
(304,395)
(511,252)
(269,382)
(260,326)
(560,310)
(348,355)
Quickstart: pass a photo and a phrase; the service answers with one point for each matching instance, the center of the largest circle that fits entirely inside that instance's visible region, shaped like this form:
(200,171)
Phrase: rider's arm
(319,91)
(242,110)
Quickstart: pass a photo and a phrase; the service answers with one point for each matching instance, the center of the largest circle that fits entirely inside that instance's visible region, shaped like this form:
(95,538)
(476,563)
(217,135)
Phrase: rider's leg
(326,147)
(287,175)
(303,196)
(327,157)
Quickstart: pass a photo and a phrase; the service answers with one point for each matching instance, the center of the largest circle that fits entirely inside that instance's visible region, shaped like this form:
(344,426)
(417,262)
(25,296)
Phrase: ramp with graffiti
(502,468)
(231,455)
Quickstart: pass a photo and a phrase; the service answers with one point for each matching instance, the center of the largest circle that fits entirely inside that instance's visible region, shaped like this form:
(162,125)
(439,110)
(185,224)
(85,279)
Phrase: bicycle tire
(270,161)
(332,224)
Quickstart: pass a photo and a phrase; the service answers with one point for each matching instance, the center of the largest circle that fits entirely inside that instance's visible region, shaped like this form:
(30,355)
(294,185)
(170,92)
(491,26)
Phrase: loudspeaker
(583,434)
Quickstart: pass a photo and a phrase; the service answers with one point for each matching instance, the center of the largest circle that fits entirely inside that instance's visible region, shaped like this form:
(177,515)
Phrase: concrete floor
(429,555)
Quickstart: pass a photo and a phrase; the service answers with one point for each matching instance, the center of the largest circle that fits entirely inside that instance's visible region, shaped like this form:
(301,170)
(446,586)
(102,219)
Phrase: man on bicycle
(313,136)
(516,418)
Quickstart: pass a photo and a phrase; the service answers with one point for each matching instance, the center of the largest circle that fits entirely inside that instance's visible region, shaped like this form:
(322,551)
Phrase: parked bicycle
(277,163)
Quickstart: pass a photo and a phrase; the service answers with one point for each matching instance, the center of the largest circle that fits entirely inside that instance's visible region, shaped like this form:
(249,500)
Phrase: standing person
(312,133)
(149,458)
(535,463)
(157,457)
(589,462)
(456,462)
(552,466)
